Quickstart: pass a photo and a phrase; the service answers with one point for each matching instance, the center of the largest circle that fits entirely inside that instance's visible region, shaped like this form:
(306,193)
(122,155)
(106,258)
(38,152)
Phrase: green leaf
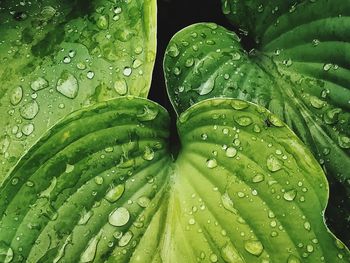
(299,70)
(58,56)
(101,186)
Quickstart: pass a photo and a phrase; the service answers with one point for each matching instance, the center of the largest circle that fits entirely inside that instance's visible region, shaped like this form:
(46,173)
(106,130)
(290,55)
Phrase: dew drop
(90,74)
(137,63)
(125,239)
(127,71)
(254,247)
(189,62)
(213,258)
(102,22)
(230,254)
(119,217)
(274,120)
(231,152)
(16,95)
(67,85)
(258,178)
(273,164)
(290,195)
(239,104)
(228,203)
(212,163)
(6,252)
(307,226)
(244,121)
(148,154)
(39,84)
(89,254)
(206,87)
(28,129)
(173,50)
(29,110)
(293,259)
(148,114)
(143,201)
(344,141)
(115,193)
(316,102)
(327,67)
(121,87)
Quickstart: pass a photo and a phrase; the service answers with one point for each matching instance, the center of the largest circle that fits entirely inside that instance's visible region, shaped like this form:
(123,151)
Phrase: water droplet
(66,60)
(115,193)
(119,217)
(148,154)
(125,239)
(316,102)
(81,66)
(189,62)
(228,203)
(274,120)
(90,74)
(16,95)
(121,87)
(117,10)
(137,63)
(331,116)
(235,56)
(307,226)
(127,71)
(173,50)
(47,12)
(6,252)
(244,121)
(230,254)
(39,84)
(206,87)
(211,163)
(273,164)
(309,248)
(258,178)
(226,7)
(90,252)
(69,168)
(67,85)
(148,114)
(102,22)
(256,128)
(29,110)
(213,258)
(85,216)
(204,136)
(28,129)
(293,259)
(327,66)
(239,104)
(231,152)
(143,201)
(254,247)
(344,141)
(290,195)
(71,53)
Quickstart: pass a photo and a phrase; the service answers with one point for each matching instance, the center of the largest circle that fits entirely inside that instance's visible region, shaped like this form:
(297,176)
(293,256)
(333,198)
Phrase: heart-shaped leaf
(57,56)
(101,186)
(299,71)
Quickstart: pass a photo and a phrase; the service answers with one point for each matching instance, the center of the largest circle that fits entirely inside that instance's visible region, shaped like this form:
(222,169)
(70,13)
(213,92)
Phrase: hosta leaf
(93,171)
(101,186)
(59,55)
(299,71)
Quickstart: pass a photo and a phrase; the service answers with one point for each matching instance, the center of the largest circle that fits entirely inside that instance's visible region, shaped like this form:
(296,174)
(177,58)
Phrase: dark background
(174,15)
